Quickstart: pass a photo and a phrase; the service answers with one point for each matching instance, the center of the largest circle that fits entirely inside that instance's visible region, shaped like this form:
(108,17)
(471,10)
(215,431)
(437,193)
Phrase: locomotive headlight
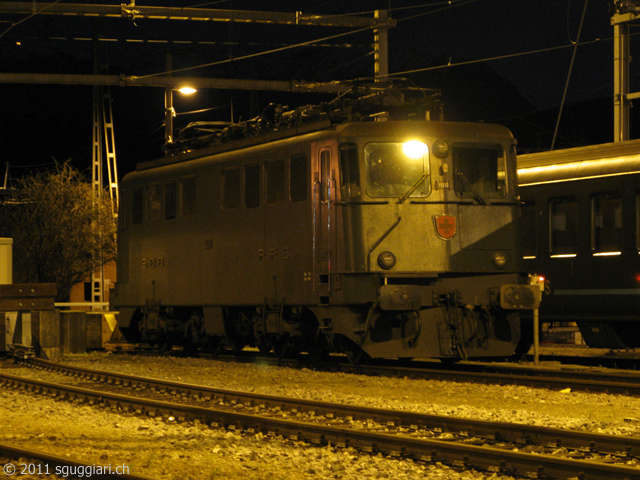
(386,260)
(499,259)
(415,149)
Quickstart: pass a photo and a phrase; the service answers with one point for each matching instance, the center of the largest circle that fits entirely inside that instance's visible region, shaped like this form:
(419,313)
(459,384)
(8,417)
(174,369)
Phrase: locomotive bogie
(332,240)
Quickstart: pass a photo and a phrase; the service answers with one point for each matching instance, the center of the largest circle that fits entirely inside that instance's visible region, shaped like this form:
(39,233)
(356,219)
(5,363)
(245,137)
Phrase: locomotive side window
(563,226)
(137,206)
(252,186)
(188,196)
(529,230)
(479,171)
(325,166)
(350,170)
(154,201)
(606,224)
(170,200)
(275,179)
(298,178)
(392,172)
(231,188)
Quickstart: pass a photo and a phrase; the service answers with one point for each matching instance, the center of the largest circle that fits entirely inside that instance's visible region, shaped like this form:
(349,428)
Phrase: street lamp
(169,111)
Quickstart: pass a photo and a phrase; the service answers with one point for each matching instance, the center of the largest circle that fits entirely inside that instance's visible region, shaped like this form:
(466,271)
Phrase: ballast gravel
(154,448)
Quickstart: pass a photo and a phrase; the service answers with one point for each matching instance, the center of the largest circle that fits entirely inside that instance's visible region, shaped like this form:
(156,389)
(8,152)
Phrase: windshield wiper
(473,190)
(413,187)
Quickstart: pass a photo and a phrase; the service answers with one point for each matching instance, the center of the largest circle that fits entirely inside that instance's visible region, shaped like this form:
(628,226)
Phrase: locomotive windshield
(392,170)
(479,171)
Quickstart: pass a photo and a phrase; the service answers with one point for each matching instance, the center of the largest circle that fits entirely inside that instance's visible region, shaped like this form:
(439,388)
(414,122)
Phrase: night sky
(500,61)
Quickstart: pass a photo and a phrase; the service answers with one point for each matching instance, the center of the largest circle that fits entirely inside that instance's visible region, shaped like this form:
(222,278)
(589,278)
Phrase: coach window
(298,178)
(275,179)
(252,186)
(231,188)
(170,200)
(188,196)
(563,227)
(154,201)
(137,206)
(606,224)
(350,170)
(529,230)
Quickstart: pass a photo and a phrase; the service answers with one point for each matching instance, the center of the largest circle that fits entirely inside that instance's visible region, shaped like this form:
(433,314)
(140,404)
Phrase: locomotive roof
(617,158)
(235,145)
(435,129)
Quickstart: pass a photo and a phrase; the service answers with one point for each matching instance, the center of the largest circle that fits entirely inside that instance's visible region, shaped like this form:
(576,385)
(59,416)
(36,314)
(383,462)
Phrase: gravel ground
(154,448)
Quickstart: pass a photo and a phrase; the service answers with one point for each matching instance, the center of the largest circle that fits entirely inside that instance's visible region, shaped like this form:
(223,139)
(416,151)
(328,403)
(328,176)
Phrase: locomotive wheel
(281,348)
(214,345)
(356,355)
(164,344)
(319,351)
(189,347)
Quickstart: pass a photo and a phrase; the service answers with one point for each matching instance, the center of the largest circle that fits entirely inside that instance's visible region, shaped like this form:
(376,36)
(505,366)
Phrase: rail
(507,461)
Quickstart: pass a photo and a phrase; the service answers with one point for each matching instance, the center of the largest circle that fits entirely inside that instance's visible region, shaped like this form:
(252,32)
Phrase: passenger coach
(581,223)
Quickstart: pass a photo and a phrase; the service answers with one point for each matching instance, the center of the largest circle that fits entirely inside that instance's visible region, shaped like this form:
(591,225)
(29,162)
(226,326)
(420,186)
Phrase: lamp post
(170,112)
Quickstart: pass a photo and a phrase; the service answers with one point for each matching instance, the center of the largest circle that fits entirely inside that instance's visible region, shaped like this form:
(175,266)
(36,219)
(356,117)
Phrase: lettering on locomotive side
(284,252)
(153,262)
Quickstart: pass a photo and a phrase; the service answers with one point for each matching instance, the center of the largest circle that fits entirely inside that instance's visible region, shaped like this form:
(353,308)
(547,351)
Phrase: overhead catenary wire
(566,85)
(253,55)
(449,4)
(29,17)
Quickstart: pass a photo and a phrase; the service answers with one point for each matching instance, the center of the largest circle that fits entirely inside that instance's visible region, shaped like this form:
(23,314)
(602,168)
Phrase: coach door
(324,213)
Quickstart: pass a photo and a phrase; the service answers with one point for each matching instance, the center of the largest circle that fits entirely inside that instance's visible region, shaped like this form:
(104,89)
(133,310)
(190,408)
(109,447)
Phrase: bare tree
(61,231)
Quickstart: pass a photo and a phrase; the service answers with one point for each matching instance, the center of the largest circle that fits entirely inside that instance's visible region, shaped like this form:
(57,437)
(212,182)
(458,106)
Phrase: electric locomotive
(324,229)
(580,223)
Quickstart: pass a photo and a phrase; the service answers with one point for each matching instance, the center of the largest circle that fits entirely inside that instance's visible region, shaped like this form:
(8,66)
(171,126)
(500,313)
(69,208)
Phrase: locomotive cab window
(479,171)
(392,170)
(606,224)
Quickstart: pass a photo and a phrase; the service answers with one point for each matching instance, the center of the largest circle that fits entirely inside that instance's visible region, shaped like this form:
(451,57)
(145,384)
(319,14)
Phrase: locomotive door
(277,235)
(324,228)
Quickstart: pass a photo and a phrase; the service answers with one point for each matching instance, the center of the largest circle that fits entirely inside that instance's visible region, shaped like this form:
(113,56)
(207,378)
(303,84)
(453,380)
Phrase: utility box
(6,261)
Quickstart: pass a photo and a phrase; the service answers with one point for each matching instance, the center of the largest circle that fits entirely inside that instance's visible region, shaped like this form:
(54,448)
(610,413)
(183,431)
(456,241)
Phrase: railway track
(19,462)
(507,448)
(555,377)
